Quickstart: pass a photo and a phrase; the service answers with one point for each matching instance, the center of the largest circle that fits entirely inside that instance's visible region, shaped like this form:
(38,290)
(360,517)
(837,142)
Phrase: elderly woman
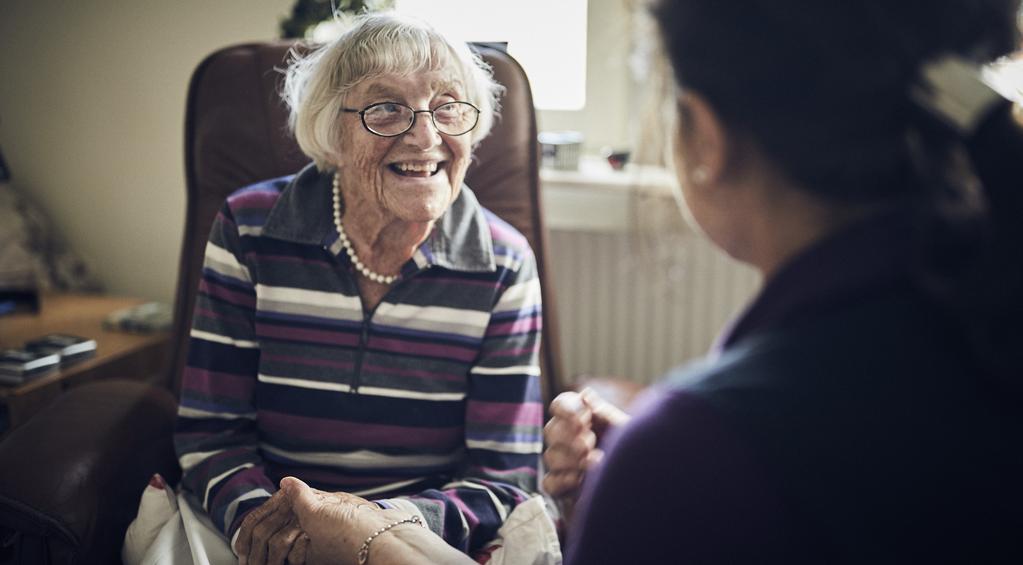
(365,324)
(865,407)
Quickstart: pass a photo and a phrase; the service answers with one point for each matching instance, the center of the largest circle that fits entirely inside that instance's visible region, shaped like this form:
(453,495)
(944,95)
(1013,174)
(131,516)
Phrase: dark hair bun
(822,85)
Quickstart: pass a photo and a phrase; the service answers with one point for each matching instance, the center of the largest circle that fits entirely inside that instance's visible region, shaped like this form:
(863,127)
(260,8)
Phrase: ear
(703,147)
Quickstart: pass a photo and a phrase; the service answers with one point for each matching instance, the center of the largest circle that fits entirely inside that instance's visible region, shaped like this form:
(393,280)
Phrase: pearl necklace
(375,277)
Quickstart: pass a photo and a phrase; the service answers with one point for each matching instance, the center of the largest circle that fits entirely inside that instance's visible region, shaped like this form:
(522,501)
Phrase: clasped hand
(273,533)
(573,434)
(304,525)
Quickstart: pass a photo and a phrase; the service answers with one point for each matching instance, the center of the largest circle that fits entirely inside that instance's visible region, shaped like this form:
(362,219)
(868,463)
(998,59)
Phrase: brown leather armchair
(70,478)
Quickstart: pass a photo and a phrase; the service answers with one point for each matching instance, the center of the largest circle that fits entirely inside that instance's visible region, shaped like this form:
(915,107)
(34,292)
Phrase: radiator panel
(634,306)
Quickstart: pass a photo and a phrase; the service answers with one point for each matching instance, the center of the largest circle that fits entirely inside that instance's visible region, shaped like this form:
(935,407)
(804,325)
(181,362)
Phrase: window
(548,37)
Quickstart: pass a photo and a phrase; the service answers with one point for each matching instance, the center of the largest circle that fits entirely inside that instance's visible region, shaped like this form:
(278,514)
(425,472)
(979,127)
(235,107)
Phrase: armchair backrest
(236,134)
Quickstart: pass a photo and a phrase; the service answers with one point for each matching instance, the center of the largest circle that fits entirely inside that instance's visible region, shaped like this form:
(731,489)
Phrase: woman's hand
(274,533)
(271,535)
(339,523)
(578,423)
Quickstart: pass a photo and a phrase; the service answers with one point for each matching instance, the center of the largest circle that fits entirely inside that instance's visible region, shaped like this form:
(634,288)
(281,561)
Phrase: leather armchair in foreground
(71,478)
(69,475)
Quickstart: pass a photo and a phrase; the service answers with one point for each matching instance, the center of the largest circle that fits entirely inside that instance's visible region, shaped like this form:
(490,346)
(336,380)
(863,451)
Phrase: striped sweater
(430,402)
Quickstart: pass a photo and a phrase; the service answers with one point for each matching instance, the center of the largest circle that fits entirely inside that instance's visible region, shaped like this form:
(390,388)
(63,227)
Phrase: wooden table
(118,354)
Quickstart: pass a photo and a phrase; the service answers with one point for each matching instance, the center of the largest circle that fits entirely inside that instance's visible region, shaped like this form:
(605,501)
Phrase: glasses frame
(433,118)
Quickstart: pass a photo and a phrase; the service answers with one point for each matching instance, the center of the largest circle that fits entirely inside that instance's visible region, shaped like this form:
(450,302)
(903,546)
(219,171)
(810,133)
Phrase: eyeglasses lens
(455,118)
(387,118)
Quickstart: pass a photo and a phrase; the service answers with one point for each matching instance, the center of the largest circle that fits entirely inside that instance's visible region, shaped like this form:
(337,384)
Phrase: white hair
(316,84)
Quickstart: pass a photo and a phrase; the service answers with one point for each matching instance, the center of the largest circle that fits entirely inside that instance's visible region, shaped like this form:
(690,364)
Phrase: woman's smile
(416,169)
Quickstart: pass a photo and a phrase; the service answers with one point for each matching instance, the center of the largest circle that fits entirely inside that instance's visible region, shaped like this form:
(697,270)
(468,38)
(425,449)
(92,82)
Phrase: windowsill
(597,197)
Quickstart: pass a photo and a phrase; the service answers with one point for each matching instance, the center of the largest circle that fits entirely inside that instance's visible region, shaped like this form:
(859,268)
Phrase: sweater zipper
(361,353)
(364,336)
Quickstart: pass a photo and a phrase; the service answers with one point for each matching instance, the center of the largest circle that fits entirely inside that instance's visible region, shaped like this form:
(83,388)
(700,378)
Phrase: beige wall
(91,116)
(92,98)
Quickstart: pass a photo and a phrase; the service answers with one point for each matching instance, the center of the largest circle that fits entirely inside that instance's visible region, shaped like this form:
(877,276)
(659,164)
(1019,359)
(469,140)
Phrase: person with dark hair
(863,409)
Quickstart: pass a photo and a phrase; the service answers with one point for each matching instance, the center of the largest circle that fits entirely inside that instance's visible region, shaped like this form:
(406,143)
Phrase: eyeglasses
(390,119)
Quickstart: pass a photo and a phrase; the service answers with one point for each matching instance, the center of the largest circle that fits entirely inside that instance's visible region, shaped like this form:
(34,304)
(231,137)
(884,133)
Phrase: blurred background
(92,106)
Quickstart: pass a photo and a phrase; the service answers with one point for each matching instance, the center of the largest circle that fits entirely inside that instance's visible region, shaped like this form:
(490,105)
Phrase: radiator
(634,305)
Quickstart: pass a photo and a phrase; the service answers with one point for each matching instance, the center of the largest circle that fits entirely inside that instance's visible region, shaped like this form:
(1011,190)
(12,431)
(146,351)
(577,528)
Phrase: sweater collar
(874,254)
(460,239)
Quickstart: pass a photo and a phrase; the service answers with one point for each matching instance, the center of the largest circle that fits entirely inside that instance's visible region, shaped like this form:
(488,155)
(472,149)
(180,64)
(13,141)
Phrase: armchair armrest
(72,476)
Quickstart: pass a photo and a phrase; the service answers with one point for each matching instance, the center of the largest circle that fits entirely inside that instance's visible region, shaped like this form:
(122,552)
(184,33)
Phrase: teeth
(417,167)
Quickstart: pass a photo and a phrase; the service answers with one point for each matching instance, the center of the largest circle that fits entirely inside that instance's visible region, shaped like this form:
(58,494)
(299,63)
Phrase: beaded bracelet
(363,554)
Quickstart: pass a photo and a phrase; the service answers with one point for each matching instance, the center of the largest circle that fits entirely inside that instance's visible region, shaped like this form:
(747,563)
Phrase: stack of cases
(43,355)
(70,348)
(21,365)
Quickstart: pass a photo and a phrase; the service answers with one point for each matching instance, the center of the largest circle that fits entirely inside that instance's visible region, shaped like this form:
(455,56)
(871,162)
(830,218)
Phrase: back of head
(823,85)
(823,88)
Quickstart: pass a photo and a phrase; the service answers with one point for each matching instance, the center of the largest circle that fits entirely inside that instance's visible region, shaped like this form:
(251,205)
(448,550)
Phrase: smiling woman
(365,324)
(395,184)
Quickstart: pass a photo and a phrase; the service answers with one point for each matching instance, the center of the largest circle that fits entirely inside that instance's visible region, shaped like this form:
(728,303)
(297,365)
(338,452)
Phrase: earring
(701,174)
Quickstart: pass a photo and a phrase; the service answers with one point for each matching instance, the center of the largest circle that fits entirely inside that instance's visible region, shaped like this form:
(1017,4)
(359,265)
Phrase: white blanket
(170,531)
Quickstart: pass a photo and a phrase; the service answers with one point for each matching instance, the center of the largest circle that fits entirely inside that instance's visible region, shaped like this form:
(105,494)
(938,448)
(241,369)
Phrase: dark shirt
(844,420)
